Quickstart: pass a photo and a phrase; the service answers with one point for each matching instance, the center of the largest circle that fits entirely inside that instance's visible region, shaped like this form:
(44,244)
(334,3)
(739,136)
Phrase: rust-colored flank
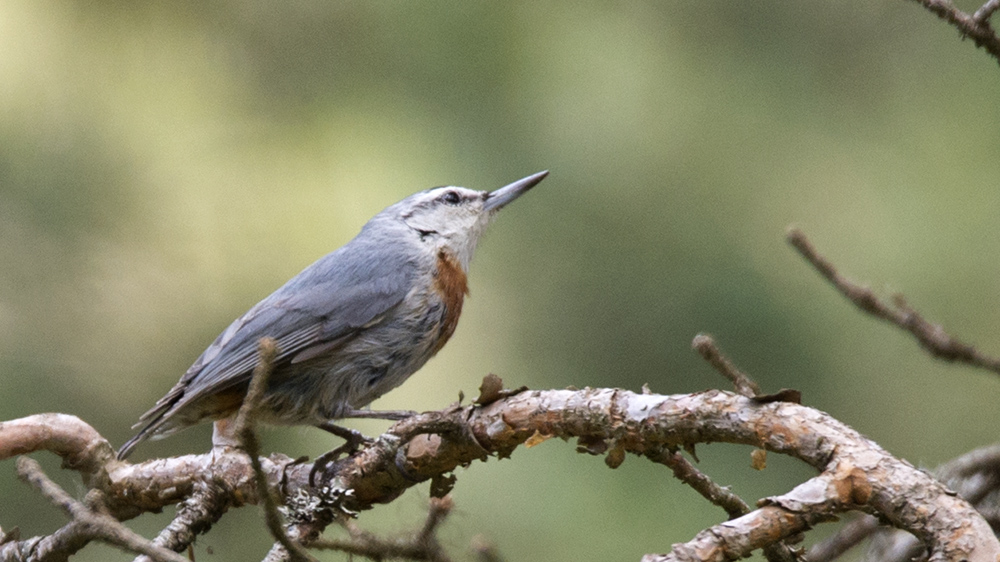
(452,284)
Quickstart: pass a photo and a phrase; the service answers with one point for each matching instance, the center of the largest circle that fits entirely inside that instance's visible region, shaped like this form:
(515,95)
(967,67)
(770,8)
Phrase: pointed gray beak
(496,200)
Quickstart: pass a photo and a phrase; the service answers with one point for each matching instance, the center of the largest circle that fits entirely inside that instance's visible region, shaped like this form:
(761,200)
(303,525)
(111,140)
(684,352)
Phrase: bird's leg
(223,436)
(353,440)
(394,415)
(353,437)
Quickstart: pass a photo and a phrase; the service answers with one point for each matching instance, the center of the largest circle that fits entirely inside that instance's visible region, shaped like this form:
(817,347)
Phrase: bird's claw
(354,441)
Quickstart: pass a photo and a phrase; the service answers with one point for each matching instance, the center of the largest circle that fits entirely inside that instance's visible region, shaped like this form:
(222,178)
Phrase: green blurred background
(163,166)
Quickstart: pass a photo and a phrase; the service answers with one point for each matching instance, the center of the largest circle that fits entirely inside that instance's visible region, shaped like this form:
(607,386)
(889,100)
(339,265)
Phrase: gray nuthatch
(350,327)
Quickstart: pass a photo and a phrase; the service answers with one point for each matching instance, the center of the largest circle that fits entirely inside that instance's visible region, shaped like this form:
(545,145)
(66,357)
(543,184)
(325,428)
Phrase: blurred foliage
(164,165)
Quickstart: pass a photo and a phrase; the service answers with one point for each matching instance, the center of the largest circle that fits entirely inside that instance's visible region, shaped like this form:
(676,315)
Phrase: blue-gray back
(330,300)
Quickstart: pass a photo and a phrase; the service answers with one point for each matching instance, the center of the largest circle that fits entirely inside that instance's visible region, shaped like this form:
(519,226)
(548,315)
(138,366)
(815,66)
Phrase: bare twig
(267,350)
(88,523)
(985,11)
(427,538)
(686,472)
(423,545)
(931,337)
(717,495)
(8,536)
(976,26)
(845,539)
(243,427)
(485,550)
(60,545)
(705,345)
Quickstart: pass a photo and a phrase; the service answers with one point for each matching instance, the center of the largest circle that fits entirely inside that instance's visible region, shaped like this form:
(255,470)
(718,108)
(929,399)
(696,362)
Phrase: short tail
(154,421)
(126,449)
(160,426)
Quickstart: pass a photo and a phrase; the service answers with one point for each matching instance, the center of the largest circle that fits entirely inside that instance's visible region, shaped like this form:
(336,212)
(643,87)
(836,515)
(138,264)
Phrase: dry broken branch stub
(709,351)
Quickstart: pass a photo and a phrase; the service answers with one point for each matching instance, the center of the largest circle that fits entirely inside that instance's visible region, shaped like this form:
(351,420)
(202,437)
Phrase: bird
(350,327)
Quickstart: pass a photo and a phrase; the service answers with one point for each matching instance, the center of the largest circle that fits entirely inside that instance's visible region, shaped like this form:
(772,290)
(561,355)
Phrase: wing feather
(327,303)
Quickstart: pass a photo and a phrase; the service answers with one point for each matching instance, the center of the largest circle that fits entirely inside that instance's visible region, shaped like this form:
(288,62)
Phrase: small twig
(485,550)
(744,385)
(243,428)
(723,497)
(90,523)
(845,539)
(267,350)
(931,337)
(60,545)
(687,473)
(975,26)
(422,546)
(13,535)
(985,11)
(427,539)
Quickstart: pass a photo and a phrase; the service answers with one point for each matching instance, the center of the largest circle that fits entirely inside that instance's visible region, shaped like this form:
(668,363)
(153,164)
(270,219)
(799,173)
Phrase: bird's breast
(451,284)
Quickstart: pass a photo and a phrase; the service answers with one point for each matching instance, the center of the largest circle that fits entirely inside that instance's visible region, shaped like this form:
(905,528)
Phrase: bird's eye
(451,198)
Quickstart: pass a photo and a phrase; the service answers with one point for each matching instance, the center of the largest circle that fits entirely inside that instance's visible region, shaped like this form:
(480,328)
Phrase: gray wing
(329,301)
(305,317)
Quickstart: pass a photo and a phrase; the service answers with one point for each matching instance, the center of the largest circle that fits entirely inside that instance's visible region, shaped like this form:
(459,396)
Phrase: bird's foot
(353,441)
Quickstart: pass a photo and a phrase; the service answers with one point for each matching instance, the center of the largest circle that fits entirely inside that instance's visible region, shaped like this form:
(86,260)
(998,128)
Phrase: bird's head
(453,218)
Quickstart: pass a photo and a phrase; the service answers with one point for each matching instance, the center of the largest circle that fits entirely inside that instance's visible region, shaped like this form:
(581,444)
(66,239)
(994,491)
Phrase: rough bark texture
(855,473)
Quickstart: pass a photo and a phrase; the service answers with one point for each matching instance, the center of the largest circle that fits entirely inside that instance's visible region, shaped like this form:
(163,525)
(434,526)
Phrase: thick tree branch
(974,476)
(80,446)
(636,423)
(855,473)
